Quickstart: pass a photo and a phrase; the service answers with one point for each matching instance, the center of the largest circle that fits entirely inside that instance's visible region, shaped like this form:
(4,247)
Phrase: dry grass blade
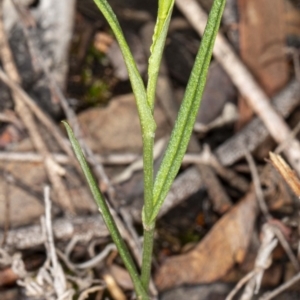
(286,172)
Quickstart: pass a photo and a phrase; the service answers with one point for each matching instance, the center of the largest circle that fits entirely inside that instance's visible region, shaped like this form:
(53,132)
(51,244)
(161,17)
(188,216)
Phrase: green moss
(97,93)
(97,89)
(189,236)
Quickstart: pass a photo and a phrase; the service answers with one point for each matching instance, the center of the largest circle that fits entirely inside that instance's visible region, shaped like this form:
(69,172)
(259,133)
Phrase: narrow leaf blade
(158,41)
(105,212)
(188,111)
(145,113)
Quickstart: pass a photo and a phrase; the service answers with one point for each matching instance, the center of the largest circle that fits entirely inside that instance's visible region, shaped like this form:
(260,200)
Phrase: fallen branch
(255,133)
(64,229)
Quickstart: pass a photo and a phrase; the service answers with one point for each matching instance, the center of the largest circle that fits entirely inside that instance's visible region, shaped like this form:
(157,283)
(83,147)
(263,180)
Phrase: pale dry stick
(128,158)
(85,294)
(255,133)
(244,81)
(64,229)
(6,212)
(32,157)
(262,262)
(97,259)
(292,136)
(59,279)
(68,263)
(81,270)
(52,168)
(285,245)
(280,289)
(264,208)
(257,186)
(72,243)
(240,284)
(90,263)
(207,157)
(84,280)
(228,116)
(138,164)
(111,159)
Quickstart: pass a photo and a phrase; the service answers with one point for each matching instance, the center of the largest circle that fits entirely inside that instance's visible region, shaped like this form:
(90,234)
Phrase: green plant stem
(159,37)
(148,143)
(165,8)
(107,217)
(147,256)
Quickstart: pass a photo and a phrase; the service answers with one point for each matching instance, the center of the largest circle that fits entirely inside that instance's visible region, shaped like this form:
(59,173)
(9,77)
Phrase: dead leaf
(121,276)
(8,277)
(102,41)
(224,246)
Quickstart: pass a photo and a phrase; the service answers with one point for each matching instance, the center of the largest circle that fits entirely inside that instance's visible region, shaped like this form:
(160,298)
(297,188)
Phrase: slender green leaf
(160,32)
(188,111)
(165,8)
(107,217)
(146,118)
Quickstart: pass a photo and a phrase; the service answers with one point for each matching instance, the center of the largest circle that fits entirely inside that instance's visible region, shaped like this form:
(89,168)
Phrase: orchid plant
(155,189)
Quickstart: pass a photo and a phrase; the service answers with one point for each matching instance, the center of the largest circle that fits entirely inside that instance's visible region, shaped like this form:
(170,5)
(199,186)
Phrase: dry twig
(286,172)
(64,229)
(240,284)
(262,262)
(255,133)
(85,294)
(112,159)
(59,279)
(257,186)
(280,289)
